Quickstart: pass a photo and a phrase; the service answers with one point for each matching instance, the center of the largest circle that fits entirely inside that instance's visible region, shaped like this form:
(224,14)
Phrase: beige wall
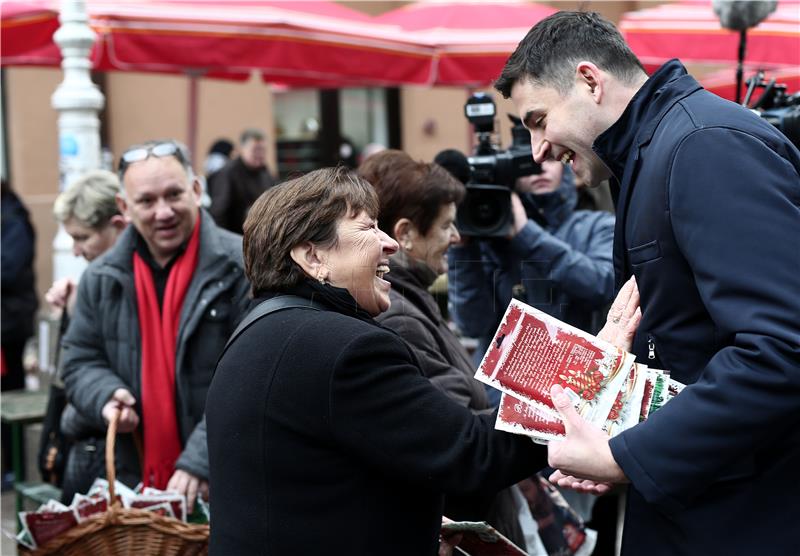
(32,143)
(145,106)
(433,120)
(225,108)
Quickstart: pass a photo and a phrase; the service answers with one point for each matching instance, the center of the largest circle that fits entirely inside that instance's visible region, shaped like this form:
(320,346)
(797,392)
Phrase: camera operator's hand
(519,214)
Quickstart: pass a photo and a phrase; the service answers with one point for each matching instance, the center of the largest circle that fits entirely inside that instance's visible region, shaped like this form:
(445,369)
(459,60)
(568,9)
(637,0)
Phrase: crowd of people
(277,348)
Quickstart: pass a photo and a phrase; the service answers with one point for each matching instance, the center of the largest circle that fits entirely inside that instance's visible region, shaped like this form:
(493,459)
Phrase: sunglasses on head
(159,150)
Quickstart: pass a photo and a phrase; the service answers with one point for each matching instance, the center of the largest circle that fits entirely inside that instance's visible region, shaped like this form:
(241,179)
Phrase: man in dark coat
(151,318)
(240,182)
(19,302)
(18,298)
(708,214)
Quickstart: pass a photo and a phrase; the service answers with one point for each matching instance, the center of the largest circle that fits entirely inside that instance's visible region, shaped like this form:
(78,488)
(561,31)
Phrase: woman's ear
(405,232)
(308,258)
(118,222)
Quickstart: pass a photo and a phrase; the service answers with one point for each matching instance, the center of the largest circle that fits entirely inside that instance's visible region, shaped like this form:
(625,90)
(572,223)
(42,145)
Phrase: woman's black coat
(324,436)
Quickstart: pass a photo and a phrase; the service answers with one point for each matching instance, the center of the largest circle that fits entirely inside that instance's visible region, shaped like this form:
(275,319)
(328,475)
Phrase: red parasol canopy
(26,34)
(473,40)
(290,42)
(691,31)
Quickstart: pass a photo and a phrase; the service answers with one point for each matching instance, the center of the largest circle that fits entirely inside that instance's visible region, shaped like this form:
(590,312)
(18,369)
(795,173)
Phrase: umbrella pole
(191,132)
(740,64)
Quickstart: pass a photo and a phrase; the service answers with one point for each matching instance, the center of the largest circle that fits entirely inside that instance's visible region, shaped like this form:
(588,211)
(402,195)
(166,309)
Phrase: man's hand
(623,317)
(123,401)
(585,453)
(581,485)
(583,461)
(61,296)
(519,214)
(189,485)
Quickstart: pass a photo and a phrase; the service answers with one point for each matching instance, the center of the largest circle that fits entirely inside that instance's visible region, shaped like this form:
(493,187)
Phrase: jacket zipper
(651,348)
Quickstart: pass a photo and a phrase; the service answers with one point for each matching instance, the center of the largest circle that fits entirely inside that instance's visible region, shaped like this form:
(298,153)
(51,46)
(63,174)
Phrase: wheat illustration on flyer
(531,351)
(626,409)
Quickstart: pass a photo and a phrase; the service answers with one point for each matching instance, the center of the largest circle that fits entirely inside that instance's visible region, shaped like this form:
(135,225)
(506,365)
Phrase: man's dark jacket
(324,436)
(233,189)
(18,299)
(708,220)
(102,347)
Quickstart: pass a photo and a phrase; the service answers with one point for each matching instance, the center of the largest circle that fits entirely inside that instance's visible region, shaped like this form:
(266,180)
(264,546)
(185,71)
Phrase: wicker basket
(126,531)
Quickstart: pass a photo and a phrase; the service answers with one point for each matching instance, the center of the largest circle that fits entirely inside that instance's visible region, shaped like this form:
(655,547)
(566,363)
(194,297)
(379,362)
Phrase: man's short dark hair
(551,50)
(409,189)
(251,133)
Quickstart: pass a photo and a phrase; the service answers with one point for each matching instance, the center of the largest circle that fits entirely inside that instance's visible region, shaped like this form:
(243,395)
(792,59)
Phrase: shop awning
(472,40)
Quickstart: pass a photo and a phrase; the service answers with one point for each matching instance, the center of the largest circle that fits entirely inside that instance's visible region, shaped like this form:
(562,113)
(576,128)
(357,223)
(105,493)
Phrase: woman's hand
(448,541)
(623,317)
(61,296)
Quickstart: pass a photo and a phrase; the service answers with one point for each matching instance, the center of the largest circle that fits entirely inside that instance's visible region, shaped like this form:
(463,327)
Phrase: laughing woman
(323,433)
(418,209)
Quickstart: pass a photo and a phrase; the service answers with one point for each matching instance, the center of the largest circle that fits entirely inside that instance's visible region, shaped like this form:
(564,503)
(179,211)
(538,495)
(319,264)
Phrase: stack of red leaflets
(532,351)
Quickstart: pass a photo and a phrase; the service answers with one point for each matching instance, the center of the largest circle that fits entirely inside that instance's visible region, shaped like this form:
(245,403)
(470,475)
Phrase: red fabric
(162,443)
(3,368)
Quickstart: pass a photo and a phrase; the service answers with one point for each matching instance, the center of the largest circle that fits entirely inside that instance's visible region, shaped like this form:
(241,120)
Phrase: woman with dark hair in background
(418,209)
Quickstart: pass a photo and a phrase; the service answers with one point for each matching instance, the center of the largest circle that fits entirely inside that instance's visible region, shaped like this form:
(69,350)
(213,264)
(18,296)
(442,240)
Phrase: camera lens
(485,211)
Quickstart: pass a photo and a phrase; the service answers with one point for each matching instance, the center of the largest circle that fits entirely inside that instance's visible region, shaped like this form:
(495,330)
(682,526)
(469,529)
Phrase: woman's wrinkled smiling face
(431,248)
(359,260)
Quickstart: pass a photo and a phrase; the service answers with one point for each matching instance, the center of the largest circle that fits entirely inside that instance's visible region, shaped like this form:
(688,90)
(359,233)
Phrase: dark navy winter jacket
(708,220)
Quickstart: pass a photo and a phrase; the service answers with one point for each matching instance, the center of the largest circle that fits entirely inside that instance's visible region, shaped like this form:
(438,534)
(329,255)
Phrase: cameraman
(558,260)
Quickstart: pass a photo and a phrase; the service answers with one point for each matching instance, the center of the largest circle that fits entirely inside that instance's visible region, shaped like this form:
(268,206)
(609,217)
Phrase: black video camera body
(486,208)
(776,106)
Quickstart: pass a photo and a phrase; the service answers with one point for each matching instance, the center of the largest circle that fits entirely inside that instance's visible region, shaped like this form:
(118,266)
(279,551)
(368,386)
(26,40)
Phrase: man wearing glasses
(151,317)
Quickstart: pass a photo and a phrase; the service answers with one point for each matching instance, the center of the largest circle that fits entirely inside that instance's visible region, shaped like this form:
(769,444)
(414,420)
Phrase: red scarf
(159,330)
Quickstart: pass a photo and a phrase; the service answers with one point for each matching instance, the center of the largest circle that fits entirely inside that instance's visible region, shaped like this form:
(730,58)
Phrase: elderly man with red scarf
(151,317)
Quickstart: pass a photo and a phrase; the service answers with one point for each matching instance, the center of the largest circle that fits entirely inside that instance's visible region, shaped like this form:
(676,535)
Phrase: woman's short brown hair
(409,189)
(307,208)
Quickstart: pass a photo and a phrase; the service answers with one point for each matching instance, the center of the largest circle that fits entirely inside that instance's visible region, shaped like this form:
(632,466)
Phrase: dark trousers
(14,379)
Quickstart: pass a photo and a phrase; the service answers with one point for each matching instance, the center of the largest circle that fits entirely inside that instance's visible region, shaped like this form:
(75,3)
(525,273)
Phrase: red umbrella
(26,34)
(692,32)
(290,42)
(473,40)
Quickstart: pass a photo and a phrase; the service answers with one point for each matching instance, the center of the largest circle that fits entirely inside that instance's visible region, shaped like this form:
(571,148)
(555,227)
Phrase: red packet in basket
(531,351)
(87,506)
(152,496)
(45,525)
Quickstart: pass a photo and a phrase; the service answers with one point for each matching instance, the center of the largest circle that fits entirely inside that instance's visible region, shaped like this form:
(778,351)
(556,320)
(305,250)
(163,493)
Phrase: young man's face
(562,128)
(546,181)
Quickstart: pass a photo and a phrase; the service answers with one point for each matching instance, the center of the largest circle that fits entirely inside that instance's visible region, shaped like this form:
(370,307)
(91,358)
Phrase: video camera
(775,106)
(486,209)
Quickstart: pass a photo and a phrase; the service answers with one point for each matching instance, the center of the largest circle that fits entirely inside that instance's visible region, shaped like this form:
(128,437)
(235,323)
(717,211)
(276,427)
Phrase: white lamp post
(78,102)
